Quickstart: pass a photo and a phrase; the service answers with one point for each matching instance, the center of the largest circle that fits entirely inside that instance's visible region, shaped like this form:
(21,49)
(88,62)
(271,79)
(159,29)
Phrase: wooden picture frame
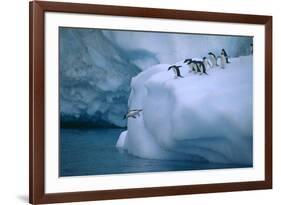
(37,194)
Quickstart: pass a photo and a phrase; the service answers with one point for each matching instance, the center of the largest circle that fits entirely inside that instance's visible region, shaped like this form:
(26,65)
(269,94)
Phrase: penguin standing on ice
(192,65)
(223,60)
(196,66)
(225,55)
(206,62)
(213,59)
(201,66)
(176,70)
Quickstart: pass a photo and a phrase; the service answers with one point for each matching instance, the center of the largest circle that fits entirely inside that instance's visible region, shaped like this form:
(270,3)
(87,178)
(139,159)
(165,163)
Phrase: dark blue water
(93,152)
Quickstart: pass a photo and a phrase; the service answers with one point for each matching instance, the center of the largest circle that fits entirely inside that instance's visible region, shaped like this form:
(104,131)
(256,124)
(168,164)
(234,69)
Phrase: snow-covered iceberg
(96,67)
(198,117)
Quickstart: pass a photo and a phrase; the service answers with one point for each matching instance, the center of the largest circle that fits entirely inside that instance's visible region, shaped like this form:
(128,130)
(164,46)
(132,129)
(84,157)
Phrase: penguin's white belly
(213,61)
(206,63)
(223,61)
(192,67)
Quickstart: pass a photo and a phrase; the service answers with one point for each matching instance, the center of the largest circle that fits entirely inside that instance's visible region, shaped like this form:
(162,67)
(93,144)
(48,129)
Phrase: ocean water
(93,152)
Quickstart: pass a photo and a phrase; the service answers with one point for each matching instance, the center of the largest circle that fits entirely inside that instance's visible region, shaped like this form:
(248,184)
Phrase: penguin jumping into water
(192,65)
(132,113)
(225,55)
(213,59)
(251,49)
(176,70)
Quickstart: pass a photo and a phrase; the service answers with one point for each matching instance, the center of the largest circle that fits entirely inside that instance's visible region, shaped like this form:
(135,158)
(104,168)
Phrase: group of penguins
(200,65)
(196,66)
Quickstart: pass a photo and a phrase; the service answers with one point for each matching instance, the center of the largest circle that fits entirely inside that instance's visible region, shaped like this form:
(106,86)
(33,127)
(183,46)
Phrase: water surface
(93,152)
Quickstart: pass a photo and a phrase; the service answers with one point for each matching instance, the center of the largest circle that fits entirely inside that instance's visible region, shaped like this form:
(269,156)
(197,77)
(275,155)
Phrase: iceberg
(96,67)
(206,118)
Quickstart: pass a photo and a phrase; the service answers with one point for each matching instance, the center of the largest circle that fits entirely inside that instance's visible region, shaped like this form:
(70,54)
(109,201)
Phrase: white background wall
(14,100)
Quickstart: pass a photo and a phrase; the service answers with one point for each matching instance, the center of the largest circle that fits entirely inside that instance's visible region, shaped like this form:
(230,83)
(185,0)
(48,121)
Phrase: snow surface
(198,117)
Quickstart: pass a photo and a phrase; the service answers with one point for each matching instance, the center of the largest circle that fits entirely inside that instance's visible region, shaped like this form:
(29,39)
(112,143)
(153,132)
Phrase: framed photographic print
(138,102)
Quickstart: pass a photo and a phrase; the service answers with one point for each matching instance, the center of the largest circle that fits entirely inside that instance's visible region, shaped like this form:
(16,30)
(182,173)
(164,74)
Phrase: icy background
(195,118)
(96,67)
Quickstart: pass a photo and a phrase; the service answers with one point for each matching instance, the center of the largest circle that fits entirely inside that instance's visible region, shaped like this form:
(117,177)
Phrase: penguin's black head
(210,53)
(171,67)
(204,58)
(187,60)
(223,50)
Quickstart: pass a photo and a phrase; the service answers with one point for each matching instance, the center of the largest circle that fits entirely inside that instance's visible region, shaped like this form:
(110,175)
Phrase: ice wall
(198,117)
(94,79)
(171,47)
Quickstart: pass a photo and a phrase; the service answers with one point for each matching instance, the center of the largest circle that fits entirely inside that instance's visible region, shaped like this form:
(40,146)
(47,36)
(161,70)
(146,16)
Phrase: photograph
(147,101)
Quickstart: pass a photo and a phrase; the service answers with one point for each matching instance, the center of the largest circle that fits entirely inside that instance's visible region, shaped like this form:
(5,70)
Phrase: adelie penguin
(251,49)
(132,113)
(213,59)
(201,66)
(192,65)
(176,70)
(223,60)
(196,66)
(206,62)
(225,55)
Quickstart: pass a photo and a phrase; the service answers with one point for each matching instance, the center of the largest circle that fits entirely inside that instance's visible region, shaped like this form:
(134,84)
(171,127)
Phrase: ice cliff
(95,76)
(198,117)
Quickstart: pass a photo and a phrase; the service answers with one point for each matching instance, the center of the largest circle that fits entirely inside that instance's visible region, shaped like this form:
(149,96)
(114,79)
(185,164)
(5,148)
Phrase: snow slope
(198,117)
